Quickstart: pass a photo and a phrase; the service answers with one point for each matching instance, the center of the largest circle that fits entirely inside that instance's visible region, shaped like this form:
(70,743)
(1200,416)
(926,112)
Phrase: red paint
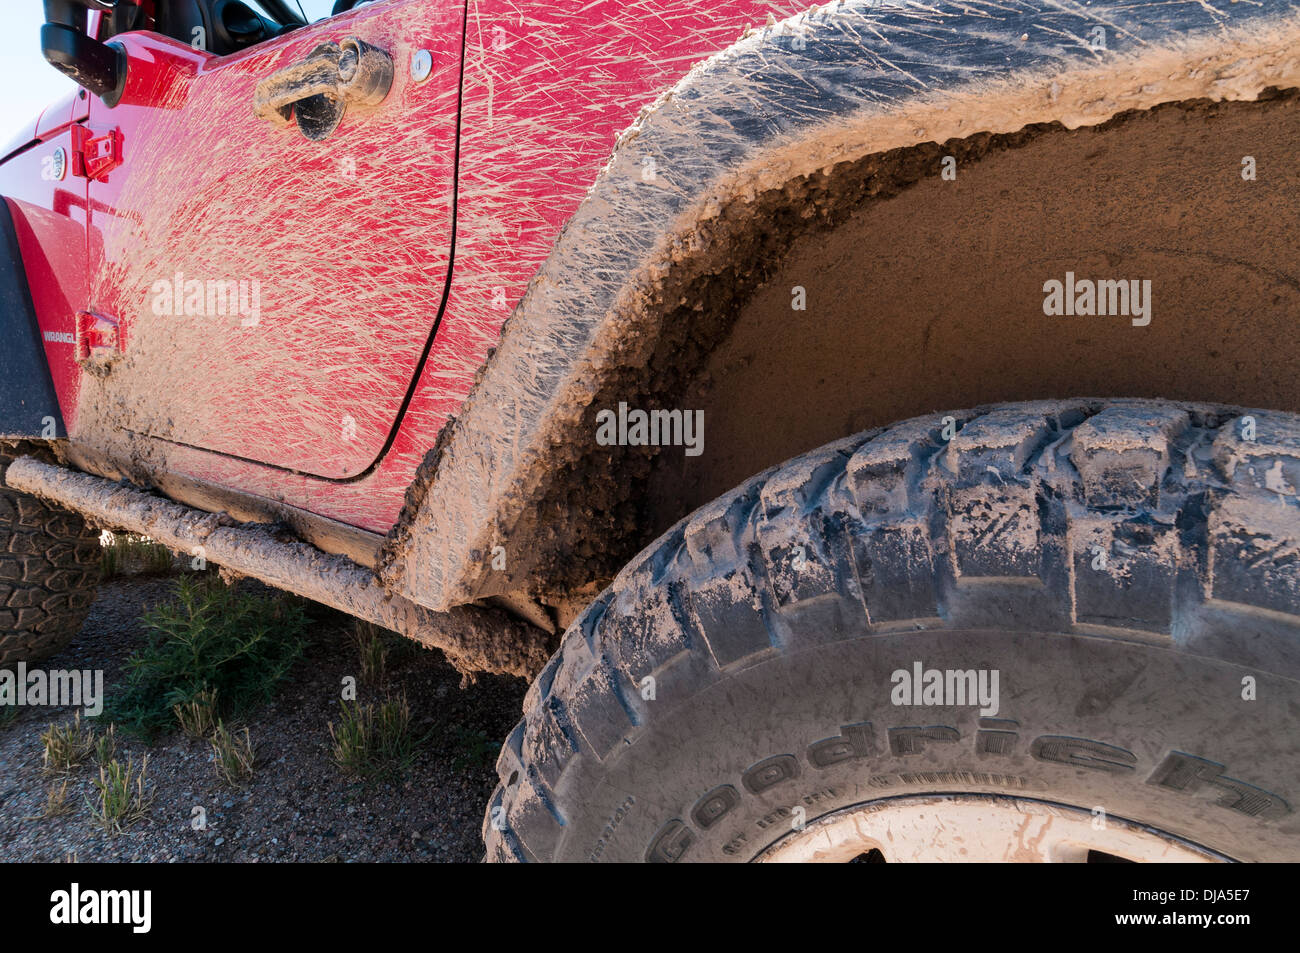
(62,113)
(352,271)
(94,157)
(49,218)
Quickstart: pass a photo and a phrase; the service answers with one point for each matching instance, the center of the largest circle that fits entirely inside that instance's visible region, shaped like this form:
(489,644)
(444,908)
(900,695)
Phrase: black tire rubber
(1130,568)
(49,570)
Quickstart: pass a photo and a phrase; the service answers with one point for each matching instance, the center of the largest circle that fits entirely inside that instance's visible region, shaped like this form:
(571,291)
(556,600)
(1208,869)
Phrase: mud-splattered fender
(28,405)
(840,82)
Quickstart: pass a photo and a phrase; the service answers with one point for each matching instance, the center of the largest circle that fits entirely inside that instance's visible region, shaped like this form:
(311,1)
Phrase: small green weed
(211,639)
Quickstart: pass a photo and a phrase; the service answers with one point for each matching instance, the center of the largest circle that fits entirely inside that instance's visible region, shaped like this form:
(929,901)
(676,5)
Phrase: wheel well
(923,292)
(768,141)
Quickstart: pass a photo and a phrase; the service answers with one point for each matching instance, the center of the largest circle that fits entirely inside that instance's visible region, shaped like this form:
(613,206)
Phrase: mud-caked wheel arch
(1088,606)
(49,570)
(851,208)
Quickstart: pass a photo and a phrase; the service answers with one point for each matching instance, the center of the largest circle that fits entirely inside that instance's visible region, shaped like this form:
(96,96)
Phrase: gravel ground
(299,806)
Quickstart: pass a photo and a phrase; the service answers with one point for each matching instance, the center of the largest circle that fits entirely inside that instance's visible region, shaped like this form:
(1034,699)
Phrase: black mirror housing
(99,67)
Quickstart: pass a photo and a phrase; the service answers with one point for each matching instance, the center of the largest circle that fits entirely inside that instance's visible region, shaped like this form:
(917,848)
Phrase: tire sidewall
(1123,709)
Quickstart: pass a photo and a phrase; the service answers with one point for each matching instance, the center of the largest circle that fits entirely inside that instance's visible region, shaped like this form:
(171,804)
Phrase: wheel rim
(970,828)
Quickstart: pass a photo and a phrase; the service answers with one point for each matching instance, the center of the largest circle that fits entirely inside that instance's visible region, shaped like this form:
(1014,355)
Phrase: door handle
(317,91)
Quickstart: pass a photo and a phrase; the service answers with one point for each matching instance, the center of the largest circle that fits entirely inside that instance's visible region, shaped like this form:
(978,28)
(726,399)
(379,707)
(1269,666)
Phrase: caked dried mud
(787,132)
(599,505)
(732,139)
(474,639)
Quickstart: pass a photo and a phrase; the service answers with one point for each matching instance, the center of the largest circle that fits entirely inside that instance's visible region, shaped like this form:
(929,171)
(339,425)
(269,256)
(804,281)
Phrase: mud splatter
(760,118)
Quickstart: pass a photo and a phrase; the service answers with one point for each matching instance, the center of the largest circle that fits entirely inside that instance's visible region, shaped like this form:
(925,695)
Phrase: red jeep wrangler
(573,339)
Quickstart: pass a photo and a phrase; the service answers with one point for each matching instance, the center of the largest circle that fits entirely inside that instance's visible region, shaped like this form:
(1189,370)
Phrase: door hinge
(93,157)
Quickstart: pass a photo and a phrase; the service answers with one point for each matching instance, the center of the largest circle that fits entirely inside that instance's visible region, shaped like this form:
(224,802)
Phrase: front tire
(1128,571)
(49,570)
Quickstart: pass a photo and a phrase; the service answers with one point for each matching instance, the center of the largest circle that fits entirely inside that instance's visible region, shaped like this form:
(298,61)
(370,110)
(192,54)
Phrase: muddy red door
(274,293)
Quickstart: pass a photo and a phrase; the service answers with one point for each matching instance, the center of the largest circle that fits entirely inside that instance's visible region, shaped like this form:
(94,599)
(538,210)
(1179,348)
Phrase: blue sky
(30,84)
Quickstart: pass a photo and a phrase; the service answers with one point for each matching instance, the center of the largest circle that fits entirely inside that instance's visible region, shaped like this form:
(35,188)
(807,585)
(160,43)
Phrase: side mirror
(69,48)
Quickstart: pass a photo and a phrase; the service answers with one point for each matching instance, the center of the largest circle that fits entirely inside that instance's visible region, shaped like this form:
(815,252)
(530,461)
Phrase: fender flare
(27,396)
(836,84)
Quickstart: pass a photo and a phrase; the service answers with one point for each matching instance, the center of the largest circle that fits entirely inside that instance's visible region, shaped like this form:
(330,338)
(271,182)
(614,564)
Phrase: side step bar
(475,639)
